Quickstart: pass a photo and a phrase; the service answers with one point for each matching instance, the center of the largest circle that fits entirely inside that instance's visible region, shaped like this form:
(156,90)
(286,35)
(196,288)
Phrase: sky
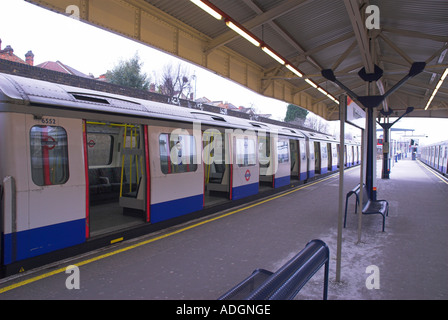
(89,49)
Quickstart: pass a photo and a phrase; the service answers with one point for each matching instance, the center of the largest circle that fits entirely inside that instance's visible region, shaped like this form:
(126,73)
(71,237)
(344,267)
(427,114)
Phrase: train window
(49,155)
(245,152)
(100,149)
(283,152)
(264,150)
(177,155)
(324,151)
(302,150)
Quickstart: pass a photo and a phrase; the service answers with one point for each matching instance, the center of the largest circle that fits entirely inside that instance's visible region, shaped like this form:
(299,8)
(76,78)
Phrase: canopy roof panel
(310,35)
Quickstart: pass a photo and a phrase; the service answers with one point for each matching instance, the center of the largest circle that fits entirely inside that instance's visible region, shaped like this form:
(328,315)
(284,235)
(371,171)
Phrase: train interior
(116,162)
(265,160)
(115,156)
(294,151)
(217,169)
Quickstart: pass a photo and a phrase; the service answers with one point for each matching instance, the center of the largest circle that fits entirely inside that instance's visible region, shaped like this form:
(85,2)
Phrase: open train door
(116,166)
(216,168)
(245,167)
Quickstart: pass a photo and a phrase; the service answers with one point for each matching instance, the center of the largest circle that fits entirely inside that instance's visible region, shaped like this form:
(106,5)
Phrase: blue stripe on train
(35,242)
(282,181)
(176,208)
(244,191)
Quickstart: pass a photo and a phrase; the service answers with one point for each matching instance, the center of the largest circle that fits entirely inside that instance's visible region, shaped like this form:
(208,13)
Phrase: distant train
(82,169)
(436,156)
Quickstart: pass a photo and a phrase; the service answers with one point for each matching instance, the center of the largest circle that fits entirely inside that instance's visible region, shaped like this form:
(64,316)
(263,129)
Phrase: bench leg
(327,267)
(345,215)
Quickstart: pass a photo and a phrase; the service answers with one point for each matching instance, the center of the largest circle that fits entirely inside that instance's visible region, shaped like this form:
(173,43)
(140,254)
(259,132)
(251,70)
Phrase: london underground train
(81,169)
(436,156)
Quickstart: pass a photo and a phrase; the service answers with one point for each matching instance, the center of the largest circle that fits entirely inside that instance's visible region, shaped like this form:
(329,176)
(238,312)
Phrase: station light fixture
(246,35)
(333,98)
(311,83)
(218,14)
(273,54)
(207,8)
(294,70)
(439,84)
(322,91)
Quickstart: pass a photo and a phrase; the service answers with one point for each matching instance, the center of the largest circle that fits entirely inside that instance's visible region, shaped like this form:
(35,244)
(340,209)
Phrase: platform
(204,258)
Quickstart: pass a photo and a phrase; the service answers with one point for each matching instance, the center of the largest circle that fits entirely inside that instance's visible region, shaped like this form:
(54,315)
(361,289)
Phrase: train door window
(352,160)
(330,156)
(294,154)
(264,150)
(282,151)
(245,152)
(302,150)
(317,157)
(100,149)
(177,153)
(49,155)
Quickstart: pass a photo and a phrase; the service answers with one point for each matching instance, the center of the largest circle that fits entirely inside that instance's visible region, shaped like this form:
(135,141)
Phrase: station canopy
(279,48)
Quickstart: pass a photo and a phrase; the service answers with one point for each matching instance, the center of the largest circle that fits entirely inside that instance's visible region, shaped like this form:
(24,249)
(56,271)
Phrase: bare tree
(175,81)
(316,123)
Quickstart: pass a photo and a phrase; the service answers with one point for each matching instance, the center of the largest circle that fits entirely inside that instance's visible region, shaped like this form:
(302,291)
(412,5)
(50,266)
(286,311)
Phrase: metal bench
(286,282)
(368,206)
(354,191)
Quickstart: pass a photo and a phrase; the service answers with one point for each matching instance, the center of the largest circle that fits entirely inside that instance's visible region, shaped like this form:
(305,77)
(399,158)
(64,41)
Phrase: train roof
(26,91)
(440,143)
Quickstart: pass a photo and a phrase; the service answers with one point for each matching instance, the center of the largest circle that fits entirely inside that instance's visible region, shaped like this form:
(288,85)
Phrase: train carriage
(436,156)
(83,165)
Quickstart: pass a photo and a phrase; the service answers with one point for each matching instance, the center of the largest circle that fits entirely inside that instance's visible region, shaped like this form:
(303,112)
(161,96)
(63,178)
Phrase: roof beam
(363,43)
(415,34)
(329,44)
(343,56)
(283,34)
(418,84)
(397,50)
(279,10)
(360,34)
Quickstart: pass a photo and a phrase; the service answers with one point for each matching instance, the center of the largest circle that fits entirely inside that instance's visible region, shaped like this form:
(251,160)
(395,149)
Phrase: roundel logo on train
(247,175)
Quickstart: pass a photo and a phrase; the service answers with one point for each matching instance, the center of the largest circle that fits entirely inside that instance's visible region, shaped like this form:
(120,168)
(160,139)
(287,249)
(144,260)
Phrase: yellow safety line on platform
(61,270)
(438,175)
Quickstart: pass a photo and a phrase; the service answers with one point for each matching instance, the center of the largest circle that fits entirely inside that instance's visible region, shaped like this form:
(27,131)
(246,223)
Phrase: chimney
(29,58)
(9,50)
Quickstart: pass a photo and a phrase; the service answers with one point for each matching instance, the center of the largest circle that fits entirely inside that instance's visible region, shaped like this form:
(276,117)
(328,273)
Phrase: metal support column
(386,162)
(342,111)
(371,134)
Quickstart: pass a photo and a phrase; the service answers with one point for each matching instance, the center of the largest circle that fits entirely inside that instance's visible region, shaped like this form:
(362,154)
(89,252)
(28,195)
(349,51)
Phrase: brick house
(8,54)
